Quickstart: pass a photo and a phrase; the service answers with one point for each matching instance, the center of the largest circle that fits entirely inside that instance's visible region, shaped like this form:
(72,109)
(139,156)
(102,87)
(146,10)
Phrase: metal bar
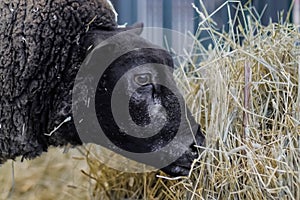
(167,14)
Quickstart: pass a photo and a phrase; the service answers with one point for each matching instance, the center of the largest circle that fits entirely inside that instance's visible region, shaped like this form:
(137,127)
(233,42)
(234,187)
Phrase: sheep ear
(137,28)
(96,36)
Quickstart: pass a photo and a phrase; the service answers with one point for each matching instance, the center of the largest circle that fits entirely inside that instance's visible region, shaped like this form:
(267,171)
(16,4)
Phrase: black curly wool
(40,54)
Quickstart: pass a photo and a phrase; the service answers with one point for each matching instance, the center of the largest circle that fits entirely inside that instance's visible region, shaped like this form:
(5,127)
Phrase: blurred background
(177,14)
(181,16)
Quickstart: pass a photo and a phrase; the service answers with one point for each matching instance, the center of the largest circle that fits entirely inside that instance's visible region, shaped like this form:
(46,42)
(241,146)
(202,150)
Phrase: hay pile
(250,111)
(54,175)
(244,92)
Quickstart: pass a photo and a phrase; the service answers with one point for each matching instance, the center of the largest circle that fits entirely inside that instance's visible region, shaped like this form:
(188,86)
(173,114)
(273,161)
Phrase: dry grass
(250,111)
(54,175)
(246,97)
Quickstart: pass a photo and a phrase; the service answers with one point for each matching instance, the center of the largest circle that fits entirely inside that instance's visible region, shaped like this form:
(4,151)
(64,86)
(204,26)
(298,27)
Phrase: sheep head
(134,97)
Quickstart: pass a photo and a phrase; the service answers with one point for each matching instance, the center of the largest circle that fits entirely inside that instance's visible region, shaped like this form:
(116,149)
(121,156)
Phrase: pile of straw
(53,175)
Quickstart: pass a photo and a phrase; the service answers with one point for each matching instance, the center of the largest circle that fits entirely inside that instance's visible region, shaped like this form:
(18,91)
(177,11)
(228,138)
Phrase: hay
(54,175)
(245,95)
(249,100)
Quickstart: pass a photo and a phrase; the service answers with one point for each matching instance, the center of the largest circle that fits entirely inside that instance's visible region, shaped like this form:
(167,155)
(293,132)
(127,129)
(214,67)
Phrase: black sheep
(42,46)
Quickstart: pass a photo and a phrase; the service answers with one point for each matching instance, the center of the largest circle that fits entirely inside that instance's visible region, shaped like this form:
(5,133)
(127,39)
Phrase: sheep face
(137,104)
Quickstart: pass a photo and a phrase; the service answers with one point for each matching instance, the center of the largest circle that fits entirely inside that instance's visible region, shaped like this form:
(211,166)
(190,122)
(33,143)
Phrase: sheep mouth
(182,166)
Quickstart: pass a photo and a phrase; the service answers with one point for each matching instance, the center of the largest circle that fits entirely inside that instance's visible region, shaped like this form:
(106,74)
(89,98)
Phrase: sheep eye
(143,79)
